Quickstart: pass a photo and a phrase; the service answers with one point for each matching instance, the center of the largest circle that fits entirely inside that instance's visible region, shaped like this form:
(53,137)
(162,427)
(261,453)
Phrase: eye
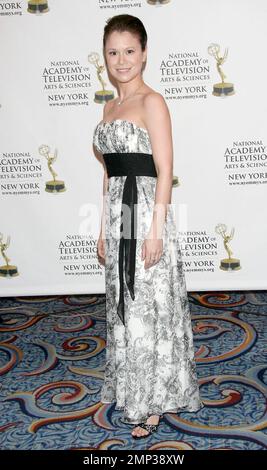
(130,50)
(112,52)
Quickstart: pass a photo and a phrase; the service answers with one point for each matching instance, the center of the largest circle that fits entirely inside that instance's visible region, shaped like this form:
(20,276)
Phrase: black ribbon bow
(130,165)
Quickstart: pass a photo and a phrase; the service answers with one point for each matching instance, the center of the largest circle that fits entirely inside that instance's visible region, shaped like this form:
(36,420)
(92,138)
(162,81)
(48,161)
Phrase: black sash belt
(130,165)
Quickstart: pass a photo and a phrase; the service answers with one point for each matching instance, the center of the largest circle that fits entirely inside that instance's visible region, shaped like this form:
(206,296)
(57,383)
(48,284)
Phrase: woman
(150,368)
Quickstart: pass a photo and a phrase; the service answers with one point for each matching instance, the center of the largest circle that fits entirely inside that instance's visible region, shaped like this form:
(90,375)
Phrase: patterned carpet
(52,362)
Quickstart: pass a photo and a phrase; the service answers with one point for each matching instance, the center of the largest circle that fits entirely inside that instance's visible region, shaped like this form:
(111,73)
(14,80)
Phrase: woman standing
(150,366)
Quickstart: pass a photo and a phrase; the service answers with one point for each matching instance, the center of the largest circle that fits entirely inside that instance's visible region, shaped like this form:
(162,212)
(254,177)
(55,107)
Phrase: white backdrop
(47,88)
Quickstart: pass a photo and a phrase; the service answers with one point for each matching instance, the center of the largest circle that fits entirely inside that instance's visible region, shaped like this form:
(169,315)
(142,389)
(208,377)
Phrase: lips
(123,70)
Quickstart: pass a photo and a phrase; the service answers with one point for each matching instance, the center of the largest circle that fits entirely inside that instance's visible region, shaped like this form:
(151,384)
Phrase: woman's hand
(101,249)
(152,249)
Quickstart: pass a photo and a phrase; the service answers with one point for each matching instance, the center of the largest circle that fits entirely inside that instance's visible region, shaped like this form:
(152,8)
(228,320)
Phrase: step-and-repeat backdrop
(207,58)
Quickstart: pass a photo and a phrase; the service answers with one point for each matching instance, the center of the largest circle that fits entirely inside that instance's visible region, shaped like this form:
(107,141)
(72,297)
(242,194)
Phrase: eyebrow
(114,49)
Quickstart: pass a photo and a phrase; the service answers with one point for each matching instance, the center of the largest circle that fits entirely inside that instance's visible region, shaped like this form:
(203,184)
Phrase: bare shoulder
(155,105)
(153,95)
(108,107)
(155,102)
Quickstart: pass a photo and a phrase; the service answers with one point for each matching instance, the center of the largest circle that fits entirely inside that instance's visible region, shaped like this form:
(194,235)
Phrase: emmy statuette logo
(6,270)
(37,6)
(101,96)
(224,88)
(54,186)
(227,264)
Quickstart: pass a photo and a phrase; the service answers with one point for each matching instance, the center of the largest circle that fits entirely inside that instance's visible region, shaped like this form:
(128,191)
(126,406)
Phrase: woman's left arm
(158,123)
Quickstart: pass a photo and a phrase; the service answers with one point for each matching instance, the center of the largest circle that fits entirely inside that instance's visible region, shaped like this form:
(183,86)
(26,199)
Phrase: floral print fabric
(150,365)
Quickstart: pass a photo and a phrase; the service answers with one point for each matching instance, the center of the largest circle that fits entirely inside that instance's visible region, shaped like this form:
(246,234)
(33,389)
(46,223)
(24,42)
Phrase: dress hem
(185,408)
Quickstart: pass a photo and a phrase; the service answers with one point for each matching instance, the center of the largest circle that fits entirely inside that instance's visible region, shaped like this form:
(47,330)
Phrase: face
(124,55)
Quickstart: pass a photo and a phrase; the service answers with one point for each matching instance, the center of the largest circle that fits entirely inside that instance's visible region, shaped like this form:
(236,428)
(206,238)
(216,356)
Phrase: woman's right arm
(102,235)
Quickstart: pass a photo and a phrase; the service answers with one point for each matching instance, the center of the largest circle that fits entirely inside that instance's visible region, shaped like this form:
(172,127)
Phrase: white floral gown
(150,365)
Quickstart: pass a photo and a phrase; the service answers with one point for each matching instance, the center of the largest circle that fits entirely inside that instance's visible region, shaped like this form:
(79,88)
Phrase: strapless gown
(150,365)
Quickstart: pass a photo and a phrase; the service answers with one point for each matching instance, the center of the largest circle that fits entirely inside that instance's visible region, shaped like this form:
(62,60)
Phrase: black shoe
(148,427)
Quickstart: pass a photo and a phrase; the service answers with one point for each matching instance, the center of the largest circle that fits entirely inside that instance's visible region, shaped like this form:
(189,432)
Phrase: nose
(121,59)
